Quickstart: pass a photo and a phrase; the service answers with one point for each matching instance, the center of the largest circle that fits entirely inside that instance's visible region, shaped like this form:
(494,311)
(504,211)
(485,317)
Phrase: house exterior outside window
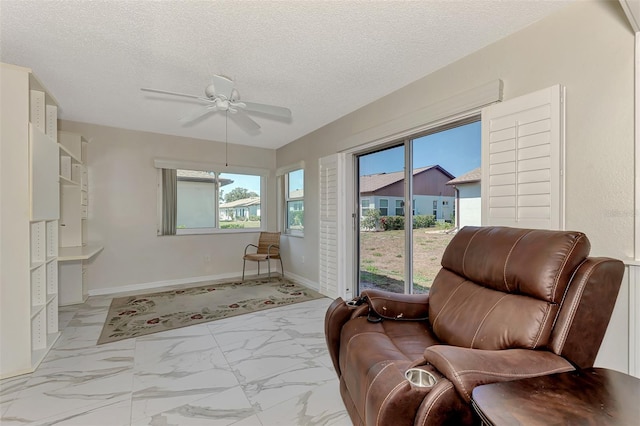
(365,206)
(199,205)
(384,207)
(294,202)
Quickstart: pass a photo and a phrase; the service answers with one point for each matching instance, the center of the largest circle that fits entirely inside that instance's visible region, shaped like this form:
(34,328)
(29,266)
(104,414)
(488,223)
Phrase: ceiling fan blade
(268,109)
(223,86)
(244,121)
(165,92)
(198,113)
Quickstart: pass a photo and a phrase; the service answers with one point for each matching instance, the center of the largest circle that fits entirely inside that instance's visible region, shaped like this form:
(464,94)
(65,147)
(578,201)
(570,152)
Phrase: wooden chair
(268,248)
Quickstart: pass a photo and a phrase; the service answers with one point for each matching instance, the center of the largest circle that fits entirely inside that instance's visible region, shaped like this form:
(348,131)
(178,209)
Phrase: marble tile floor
(266,368)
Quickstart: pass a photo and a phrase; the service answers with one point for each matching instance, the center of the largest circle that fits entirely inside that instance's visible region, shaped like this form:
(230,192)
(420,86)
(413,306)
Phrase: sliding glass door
(407,215)
(381,232)
(446,166)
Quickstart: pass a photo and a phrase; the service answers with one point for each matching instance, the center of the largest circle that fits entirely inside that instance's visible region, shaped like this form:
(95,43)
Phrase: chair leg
(258,268)
(244,262)
(281,268)
(269,267)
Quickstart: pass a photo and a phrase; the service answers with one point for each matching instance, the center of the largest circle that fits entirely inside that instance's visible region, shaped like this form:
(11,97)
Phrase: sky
(252,183)
(456,150)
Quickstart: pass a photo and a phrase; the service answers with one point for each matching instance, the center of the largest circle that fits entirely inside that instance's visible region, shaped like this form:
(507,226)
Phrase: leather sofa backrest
(501,288)
(586,310)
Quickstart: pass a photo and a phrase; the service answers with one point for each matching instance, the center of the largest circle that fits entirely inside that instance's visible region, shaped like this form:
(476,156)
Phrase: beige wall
(589,48)
(123,206)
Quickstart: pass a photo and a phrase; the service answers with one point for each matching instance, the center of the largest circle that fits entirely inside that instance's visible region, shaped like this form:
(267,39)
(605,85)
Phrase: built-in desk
(71,280)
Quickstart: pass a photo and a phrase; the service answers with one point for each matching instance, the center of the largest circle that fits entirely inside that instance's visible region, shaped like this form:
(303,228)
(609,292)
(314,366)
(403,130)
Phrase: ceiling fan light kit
(221,95)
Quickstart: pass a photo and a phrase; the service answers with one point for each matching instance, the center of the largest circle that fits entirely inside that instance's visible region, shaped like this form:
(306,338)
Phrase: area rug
(135,316)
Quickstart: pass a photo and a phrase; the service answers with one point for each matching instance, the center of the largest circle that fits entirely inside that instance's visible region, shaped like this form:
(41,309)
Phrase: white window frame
(283,176)
(396,207)
(161,163)
(363,209)
(386,200)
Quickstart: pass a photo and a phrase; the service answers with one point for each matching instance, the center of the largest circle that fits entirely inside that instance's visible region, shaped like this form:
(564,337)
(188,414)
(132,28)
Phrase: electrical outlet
(207,259)
(303,259)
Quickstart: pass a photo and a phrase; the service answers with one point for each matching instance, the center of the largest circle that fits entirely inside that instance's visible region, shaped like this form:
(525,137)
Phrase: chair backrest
(502,288)
(267,239)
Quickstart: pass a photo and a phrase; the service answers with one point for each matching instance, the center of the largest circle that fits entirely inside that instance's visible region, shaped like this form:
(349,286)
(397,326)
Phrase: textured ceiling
(321,59)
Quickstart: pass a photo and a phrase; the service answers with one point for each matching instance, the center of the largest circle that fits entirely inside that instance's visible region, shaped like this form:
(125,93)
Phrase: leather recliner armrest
(398,306)
(467,368)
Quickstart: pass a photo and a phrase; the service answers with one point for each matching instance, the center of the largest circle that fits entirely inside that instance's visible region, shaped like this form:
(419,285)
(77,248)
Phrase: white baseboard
(160,285)
(302,280)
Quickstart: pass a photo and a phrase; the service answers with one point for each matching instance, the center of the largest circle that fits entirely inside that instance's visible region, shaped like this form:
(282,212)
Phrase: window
(399,208)
(294,201)
(364,207)
(200,202)
(196,192)
(384,207)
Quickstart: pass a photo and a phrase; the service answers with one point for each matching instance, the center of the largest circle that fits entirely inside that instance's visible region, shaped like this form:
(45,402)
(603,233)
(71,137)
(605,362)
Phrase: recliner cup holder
(420,378)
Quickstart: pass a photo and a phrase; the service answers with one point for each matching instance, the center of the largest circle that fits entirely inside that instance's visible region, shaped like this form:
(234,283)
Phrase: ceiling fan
(221,95)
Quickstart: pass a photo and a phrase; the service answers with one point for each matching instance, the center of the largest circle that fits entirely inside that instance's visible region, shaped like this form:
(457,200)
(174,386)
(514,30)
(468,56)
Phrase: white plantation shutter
(523,161)
(332,226)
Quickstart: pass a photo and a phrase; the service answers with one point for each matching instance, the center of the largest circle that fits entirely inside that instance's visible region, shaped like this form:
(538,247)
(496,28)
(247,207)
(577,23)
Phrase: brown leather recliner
(507,304)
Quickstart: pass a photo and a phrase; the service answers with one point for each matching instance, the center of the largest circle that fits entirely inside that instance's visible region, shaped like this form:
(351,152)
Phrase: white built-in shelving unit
(74,250)
(29,212)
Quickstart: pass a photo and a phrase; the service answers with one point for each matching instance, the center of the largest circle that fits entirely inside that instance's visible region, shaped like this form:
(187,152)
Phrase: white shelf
(39,330)
(64,152)
(78,252)
(64,181)
(37,356)
(36,309)
(35,265)
(73,143)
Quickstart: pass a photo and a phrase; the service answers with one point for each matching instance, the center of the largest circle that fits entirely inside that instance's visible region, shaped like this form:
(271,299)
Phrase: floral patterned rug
(134,316)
